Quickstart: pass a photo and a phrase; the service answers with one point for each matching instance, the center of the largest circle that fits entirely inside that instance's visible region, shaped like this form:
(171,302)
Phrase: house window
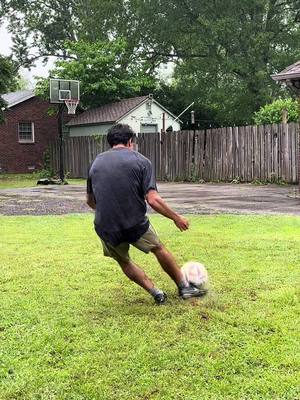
(26,132)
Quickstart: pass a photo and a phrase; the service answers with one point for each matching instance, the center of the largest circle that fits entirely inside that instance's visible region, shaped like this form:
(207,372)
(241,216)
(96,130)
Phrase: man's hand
(90,199)
(181,223)
(158,204)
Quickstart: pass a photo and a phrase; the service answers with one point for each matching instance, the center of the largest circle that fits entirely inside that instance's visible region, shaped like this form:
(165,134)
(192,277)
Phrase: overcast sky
(5,49)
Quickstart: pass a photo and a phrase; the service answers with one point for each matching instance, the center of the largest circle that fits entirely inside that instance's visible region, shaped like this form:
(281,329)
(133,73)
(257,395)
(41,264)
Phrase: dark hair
(119,134)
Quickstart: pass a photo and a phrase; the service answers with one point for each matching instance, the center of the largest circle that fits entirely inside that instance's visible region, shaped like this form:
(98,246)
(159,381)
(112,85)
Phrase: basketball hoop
(71,105)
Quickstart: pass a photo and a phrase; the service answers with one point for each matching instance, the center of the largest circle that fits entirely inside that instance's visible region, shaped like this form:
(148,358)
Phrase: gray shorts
(147,242)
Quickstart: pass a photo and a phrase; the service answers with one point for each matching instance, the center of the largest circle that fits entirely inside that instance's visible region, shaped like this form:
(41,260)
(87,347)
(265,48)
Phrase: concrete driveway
(232,199)
(183,197)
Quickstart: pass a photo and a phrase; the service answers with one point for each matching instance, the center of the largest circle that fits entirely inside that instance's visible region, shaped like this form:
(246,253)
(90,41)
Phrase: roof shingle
(292,71)
(14,98)
(108,113)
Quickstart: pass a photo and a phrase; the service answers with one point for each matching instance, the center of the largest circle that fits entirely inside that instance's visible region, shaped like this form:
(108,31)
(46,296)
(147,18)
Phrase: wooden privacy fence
(79,152)
(247,153)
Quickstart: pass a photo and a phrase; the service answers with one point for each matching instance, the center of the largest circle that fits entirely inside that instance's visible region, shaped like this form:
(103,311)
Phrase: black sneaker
(191,291)
(160,298)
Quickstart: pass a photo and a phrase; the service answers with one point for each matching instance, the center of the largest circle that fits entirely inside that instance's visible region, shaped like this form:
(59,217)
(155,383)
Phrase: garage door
(148,128)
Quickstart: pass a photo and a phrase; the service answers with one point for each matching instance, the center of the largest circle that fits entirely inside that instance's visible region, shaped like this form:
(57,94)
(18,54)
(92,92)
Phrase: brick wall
(18,157)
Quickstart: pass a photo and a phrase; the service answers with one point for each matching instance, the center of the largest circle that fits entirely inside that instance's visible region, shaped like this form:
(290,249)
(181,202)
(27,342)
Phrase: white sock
(155,291)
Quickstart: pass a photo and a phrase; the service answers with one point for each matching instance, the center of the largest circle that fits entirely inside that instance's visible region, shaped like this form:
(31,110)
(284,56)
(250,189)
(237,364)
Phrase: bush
(47,171)
(44,173)
(272,113)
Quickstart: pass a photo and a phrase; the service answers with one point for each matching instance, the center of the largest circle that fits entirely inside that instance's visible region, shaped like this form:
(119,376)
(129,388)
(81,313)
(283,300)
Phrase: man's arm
(159,205)
(90,199)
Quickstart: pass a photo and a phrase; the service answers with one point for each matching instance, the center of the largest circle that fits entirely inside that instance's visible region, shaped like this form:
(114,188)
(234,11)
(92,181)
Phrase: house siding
(89,130)
(18,157)
(141,116)
(135,119)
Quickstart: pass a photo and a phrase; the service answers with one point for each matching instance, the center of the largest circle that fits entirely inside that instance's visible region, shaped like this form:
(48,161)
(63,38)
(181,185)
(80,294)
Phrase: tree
(106,71)
(22,83)
(8,80)
(8,75)
(272,113)
(224,52)
(42,25)
(40,29)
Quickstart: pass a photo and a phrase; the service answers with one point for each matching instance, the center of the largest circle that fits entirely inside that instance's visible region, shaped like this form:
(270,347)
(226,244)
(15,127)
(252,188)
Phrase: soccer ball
(195,273)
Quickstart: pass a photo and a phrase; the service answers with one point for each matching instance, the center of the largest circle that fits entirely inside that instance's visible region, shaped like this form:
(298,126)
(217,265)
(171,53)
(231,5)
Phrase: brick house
(26,132)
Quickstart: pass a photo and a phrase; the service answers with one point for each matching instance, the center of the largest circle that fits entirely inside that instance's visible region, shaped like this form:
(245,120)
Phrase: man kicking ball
(119,182)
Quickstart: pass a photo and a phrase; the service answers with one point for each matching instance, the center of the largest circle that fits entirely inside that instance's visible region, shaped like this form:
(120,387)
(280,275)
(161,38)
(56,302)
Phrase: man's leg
(150,242)
(169,264)
(136,274)
(121,254)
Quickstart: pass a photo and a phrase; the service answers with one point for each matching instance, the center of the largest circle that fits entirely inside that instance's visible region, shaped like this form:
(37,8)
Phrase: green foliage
(73,327)
(175,98)
(47,171)
(272,113)
(224,55)
(231,53)
(7,74)
(274,180)
(22,83)
(44,173)
(49,24)
(8,80)
(107,71)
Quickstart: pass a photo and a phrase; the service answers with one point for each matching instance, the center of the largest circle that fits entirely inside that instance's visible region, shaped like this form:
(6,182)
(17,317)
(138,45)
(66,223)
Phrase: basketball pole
(61,142)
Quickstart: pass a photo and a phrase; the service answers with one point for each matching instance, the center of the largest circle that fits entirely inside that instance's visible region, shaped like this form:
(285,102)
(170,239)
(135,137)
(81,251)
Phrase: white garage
(143,114)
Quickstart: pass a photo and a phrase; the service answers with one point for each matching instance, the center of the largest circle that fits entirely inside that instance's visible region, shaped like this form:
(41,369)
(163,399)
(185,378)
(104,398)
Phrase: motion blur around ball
(195,273)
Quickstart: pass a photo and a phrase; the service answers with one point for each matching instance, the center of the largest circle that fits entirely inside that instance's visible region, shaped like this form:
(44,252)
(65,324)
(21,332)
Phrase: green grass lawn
(72,326)
(10,181)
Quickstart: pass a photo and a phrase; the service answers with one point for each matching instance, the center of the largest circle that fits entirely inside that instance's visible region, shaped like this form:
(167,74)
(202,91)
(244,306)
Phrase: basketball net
(71,105)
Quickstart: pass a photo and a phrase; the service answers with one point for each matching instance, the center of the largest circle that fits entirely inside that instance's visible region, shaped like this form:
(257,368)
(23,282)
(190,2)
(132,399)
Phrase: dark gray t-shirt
(119,179)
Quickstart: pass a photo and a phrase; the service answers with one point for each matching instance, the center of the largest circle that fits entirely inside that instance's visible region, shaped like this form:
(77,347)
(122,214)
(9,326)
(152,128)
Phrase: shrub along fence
(266,153)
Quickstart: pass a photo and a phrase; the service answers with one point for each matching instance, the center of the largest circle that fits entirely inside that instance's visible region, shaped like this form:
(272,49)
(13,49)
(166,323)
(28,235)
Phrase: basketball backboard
(63,89)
